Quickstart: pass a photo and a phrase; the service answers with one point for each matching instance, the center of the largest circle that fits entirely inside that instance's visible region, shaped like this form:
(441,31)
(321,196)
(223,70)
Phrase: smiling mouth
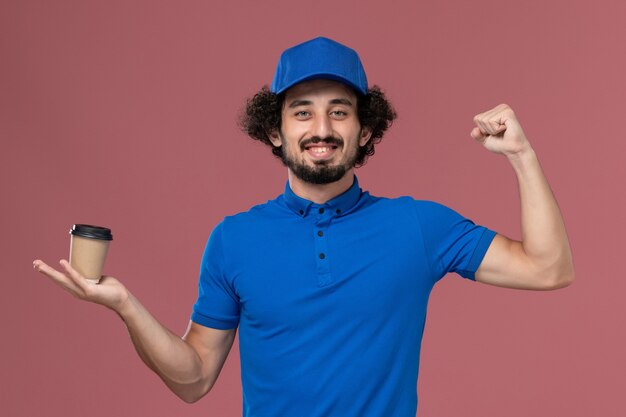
(320,152)
(320,149)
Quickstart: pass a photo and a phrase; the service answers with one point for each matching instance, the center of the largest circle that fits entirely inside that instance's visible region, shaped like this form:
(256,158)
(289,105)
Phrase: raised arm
(189,366)
(543,259)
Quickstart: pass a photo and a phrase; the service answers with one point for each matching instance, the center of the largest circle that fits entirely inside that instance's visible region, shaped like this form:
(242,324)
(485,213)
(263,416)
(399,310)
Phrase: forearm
(544,238)
(168,355)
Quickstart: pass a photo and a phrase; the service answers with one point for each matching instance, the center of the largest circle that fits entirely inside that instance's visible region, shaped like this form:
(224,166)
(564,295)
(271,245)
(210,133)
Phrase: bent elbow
(190,400)
(191,396)
(562,279)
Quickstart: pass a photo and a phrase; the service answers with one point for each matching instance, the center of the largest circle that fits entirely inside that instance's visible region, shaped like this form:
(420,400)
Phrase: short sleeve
(217,305)
(453,243)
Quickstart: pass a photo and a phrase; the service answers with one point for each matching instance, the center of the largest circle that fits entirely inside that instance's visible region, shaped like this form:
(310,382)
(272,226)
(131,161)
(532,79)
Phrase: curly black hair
(262,115)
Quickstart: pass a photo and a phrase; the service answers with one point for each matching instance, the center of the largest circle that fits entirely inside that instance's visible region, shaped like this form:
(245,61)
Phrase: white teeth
(320,150)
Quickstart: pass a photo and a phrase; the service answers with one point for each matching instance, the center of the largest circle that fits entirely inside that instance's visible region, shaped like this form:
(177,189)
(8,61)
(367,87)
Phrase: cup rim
(91,231)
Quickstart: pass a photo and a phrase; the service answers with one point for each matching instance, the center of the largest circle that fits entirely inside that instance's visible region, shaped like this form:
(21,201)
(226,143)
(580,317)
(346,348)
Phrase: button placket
(322,257)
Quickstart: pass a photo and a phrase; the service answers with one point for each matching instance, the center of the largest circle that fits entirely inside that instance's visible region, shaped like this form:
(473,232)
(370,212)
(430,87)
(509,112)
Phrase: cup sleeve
(453,242)
(217,305)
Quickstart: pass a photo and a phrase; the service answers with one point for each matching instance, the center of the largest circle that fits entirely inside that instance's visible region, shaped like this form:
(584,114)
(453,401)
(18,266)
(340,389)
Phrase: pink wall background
(123,114)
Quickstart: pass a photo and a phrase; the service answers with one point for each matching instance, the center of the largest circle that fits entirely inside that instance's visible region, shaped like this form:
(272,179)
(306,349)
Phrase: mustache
(331,140)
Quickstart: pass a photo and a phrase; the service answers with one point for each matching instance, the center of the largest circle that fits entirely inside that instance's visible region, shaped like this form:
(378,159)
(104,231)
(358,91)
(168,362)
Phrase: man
(327,284)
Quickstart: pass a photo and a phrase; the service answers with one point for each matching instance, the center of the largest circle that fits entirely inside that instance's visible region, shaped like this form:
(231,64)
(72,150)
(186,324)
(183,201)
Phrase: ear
(274,137)
(366,134)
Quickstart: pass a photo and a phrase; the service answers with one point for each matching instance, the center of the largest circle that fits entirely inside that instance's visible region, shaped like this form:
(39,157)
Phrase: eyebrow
(297,103)
(341,101)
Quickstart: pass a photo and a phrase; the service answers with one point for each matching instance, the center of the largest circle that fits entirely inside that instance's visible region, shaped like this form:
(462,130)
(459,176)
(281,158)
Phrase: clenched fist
(499,131)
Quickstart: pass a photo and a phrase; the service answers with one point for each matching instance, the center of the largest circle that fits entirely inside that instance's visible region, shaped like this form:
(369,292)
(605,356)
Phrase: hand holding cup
(109,292)
(82,274)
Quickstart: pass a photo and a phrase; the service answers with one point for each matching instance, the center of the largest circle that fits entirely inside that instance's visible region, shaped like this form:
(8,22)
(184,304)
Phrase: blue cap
(319,58)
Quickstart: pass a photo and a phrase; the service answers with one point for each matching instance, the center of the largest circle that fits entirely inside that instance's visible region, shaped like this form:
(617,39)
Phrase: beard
(321,172)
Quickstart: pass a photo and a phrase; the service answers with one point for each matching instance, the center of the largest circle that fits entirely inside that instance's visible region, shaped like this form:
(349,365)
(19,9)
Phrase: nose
(322,126)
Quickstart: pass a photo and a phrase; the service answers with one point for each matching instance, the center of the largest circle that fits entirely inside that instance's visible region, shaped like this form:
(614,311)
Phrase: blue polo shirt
(330,299)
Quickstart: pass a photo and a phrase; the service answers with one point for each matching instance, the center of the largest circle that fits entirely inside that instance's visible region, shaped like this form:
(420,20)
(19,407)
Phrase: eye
(339,113)
(302,114)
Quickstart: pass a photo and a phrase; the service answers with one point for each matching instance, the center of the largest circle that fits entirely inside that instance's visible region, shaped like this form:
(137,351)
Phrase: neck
(320,193)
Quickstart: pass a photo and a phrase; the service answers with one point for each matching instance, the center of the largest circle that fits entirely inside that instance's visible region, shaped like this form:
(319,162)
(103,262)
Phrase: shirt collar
(338,205)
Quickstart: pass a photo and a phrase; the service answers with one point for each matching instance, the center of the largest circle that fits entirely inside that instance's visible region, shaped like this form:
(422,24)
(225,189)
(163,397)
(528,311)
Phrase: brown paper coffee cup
(89,246)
